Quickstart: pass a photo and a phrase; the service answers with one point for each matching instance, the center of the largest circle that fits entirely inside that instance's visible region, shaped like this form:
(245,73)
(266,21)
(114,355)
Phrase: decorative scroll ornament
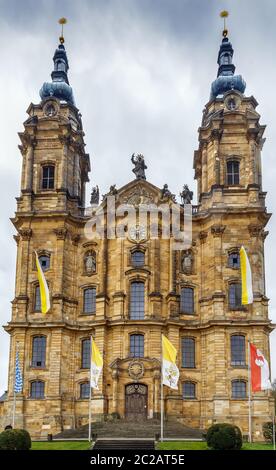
(136,370)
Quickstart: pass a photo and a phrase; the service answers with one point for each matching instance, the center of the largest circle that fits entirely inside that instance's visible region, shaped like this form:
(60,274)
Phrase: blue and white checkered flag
(18,383)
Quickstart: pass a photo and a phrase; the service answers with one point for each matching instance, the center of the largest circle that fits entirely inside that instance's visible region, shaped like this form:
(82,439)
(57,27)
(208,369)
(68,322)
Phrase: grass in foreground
(194,445)
(61,445)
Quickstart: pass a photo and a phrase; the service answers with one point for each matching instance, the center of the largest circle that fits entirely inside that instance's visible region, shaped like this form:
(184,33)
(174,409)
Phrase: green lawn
(61,445)
(194,445)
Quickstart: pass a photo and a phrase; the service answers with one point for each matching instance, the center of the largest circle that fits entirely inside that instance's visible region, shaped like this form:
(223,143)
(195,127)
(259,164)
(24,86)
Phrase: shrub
(224,436)
(15,439)
(268,431)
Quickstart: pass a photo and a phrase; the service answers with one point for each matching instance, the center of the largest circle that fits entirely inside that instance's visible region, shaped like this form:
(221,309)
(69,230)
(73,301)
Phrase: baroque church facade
(126,292)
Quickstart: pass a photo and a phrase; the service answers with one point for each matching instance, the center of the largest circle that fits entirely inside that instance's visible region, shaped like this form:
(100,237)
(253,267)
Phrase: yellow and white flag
(96,365)
(246,275)
(43,287)
(170,370)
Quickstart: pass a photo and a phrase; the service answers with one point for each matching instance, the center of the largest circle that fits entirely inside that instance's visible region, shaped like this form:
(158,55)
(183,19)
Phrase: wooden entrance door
(136,402)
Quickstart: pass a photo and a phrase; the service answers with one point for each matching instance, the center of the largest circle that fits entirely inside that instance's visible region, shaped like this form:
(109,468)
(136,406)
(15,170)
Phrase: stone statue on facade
(90,263)
(166,193)
(139,166)
(95,195)
(187,262)
(186,195)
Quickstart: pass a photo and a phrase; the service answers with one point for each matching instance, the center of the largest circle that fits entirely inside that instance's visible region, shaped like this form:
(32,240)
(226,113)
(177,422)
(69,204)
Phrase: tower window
(237,350)
(137,259)
(85,353)
(233,173)
(137,301)
(238,389)
(37,299)
(187,300)
(137,345)
(189,390)
(44,262)
(235,296)
(48,177)
(85,390)
(188,352)
(37,389)
(89,301)
(39,351)
(234,260)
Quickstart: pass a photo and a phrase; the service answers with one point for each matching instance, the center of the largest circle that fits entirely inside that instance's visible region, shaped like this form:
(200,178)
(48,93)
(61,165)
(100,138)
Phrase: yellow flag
(96,365)
(170,372)
(246,275)
(43,286)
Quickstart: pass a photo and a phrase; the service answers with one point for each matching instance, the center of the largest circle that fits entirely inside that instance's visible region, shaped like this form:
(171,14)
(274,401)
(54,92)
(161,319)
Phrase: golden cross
(224,14)
(62,21)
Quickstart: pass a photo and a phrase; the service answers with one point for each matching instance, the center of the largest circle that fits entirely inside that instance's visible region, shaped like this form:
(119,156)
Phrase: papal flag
(96,365)
(259,370)
(246,275)
(43,287)
(170,370)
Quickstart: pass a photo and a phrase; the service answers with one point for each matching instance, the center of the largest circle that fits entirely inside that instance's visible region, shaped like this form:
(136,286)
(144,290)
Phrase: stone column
(31,142)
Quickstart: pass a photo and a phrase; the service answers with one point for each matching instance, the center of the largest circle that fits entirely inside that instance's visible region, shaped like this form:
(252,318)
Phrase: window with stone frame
(237,350)
(238,388)
(37,389)
(86,353)
(235,296)
(137,300)
(136,345)
(138,258)
(187,304)
(85,390)
(234,260)
(48,177)
(188,390)
(233,172)
(188,352)
(39,351)
(37,299)
(44,261)
(89,301)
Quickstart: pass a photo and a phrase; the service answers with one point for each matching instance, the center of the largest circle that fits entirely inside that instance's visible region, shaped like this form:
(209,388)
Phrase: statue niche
(90,263)
(187,262)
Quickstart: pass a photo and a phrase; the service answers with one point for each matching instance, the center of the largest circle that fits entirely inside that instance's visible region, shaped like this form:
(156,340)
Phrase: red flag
(259,370)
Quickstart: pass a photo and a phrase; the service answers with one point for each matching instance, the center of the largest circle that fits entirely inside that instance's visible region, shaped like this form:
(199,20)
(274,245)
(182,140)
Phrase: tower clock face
(50,109)
(232,102)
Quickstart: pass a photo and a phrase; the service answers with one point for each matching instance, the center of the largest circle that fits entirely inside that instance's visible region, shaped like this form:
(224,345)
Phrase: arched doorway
(136,402)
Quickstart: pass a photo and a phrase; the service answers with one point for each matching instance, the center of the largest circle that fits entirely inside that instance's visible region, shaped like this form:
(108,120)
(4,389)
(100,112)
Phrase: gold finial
(224,14)
(62,21)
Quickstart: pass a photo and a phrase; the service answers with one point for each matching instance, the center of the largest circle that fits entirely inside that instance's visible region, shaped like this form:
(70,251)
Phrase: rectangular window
(233,173)
(187,300)
(239,389)
(86,353)
(48,177)
(37,389)
(189,390)
(137,346)
(188,352)
(137,301)
(39,351)
(37,300)
(235,296)
(237,350)
(89,301)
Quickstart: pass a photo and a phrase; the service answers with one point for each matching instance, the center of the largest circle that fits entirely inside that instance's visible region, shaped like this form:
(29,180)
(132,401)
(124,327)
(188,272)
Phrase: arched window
(85,390)
(44,262)
(188,352)
(235,296)
(137,258)
(89,300)
(37,389)
(234,260)
(189,390)
(187,300)
(136,346)
(37,299)
(48,177)
(238,389)
(85,353)
(39,351)
(137,300)
(233,172)
(237,350)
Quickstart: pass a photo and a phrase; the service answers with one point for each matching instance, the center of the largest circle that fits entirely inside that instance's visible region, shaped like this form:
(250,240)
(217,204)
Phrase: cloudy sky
(141,71)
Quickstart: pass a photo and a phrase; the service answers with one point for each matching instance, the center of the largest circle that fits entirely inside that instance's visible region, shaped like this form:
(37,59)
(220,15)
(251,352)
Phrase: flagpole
(273,425)
(249,396)
(162,393)
(90,396)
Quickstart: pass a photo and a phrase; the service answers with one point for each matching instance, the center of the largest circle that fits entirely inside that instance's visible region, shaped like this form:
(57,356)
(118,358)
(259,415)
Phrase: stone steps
(124,444)
(122,428)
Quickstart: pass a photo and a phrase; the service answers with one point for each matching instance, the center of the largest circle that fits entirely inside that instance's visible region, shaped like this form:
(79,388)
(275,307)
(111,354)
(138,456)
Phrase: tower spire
(226,79)
(59,87)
